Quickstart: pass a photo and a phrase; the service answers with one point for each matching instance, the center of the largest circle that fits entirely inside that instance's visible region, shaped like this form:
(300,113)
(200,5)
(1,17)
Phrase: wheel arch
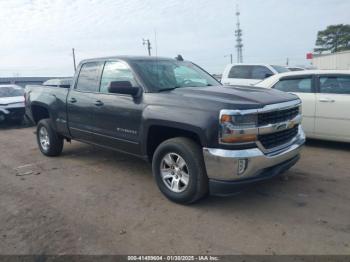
(158,133)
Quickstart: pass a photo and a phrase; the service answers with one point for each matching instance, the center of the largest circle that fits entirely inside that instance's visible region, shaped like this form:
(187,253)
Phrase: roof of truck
(128,58)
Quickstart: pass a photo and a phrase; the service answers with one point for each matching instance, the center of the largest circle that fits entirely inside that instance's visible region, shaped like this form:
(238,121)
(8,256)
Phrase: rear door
(80,100)
(333,107)
(304,88)
(117,117)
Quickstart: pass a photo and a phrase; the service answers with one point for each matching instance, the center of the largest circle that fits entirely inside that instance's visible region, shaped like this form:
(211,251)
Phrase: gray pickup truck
(201,137)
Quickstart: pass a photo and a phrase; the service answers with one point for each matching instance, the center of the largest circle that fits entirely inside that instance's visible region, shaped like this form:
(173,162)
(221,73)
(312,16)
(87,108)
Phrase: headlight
(237,128)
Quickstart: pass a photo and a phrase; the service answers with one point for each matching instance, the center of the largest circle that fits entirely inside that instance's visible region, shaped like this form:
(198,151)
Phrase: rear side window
(240,72)
(280,69)
(89,77)
(335,85)
(249,72)
(296,85)
(260,72)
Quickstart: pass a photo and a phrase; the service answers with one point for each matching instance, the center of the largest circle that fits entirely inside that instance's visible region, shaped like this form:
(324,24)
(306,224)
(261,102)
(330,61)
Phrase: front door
(117,117)
(333,107)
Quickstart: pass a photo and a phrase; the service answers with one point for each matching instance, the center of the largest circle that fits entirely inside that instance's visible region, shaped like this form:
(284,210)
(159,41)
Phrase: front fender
(202,123)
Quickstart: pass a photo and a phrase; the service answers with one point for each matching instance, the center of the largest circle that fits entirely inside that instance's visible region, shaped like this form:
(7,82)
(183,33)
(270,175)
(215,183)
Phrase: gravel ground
(93,201)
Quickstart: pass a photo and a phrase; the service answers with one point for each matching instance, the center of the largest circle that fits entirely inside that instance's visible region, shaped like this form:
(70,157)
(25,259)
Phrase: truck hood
(235,97)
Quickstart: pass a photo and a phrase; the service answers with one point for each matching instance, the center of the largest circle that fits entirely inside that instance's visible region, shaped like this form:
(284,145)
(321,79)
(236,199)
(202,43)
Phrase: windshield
(9,91)
(280,69)
(161,75)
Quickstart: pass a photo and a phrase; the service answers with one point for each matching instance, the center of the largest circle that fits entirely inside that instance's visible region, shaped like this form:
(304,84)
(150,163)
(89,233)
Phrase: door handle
(327,100)
(98,103)
(72,100)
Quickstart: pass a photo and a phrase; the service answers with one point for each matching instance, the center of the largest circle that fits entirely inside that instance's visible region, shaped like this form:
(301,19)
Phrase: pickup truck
(200,136)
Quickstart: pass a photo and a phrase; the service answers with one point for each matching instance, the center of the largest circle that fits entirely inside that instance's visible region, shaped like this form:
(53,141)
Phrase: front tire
(49,142)
(179,170)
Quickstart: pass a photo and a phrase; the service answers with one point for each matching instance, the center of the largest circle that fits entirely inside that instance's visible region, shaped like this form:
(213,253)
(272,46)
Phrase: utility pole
(238,34)
(287,62)
(148,44)
(231,57)
(74,64)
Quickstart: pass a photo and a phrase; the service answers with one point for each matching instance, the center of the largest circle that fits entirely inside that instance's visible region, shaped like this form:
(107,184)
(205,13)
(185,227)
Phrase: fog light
(242,165)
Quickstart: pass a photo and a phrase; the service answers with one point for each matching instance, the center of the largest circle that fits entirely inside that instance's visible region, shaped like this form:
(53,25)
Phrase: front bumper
(11,112)
(238,167)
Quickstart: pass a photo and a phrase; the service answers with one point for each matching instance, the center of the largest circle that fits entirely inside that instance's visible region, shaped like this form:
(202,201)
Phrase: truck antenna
(74,64)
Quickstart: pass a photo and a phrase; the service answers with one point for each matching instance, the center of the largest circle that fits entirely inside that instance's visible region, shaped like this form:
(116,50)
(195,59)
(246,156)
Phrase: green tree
(334,38)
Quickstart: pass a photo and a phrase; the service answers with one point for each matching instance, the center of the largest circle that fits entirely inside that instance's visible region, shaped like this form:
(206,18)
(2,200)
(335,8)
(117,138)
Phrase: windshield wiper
(175,87)
(168,89)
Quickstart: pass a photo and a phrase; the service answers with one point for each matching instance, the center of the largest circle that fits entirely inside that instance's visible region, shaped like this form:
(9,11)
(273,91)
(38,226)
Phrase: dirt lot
(93,201)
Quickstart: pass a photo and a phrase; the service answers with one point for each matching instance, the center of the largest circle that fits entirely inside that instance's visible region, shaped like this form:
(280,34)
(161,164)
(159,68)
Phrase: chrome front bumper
(226,165)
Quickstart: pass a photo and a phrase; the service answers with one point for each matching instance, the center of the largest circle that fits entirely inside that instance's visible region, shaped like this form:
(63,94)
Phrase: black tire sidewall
(56,143)
(191,190)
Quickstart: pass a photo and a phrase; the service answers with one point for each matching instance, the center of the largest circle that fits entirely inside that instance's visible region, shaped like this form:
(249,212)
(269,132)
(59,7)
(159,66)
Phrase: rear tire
(179,170)
(49,142)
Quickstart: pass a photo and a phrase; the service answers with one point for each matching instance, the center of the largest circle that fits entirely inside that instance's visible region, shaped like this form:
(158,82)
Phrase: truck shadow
(286,189)
(6,125)
(328,144)
(137,170)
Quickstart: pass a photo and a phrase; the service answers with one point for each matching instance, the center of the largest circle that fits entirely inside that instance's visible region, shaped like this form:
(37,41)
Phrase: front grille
(279,138)
(277,116)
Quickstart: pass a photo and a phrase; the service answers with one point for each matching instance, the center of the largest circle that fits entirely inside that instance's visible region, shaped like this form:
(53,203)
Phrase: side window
(260,72)
(116,71)
(335,85)
(300,85)
(89,77)
(240,72)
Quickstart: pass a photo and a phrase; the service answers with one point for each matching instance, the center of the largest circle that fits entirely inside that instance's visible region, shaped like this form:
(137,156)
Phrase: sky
(37,36)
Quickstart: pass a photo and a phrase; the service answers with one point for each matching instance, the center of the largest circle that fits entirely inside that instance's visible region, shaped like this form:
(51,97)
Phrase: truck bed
(53,97)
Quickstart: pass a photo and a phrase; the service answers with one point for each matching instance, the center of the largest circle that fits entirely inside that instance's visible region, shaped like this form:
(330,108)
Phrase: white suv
(249,74)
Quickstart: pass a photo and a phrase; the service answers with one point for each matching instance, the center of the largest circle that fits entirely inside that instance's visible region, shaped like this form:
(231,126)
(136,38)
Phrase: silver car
(11,103)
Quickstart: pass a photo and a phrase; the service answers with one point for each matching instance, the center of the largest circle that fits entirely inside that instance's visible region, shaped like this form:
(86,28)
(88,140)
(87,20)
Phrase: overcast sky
(36,36)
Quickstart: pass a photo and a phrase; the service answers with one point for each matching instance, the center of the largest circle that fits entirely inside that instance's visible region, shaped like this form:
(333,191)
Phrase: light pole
(231,57)
(148,44)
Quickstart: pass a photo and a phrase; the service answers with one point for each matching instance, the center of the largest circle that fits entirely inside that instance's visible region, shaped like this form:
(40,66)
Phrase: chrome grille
(270,141)
(277,116)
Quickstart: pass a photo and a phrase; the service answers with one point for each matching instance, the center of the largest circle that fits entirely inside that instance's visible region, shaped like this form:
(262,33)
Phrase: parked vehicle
(249,74)
(199,135)
(59,82)
(296,68)
(11,103)
(326,100)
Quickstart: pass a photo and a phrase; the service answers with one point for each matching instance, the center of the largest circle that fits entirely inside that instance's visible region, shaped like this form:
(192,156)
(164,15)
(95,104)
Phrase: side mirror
(123,87)
(268,75)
